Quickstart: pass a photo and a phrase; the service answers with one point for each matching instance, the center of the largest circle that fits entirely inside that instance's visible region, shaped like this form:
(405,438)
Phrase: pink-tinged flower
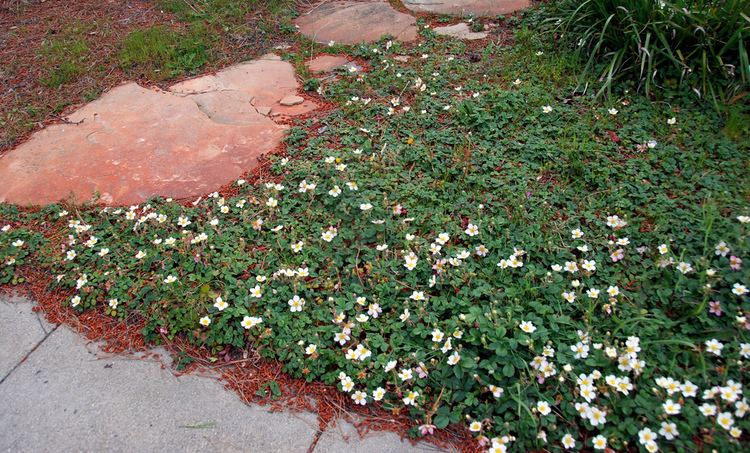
(735,262)
(714,307)
(427,429)
(617,255)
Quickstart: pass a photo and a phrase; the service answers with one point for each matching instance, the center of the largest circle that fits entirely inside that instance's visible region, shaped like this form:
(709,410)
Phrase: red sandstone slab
(134,143)
(467,7)
(350,22)
(327,63)
(267,80)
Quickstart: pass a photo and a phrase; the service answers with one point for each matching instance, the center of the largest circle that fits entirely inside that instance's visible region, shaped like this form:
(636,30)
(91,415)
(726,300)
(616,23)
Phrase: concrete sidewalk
(58,393)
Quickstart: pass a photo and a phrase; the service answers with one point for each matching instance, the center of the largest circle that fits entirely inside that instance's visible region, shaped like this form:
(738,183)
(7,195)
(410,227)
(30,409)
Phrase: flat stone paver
(460,31)
(350,22)
(134,142)
(467,7)
(64,398)
(21,331)
(327,63)
(343,438)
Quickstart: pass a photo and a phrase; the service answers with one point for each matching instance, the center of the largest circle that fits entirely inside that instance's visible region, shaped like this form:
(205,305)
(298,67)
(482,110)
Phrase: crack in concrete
(28,354)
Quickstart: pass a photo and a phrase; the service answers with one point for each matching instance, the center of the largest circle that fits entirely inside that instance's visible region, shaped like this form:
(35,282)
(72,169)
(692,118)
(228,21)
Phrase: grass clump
(161,53)
(65,57)
(699,44)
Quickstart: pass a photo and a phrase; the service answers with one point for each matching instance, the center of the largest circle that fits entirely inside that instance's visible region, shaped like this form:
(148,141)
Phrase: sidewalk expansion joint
(46,335)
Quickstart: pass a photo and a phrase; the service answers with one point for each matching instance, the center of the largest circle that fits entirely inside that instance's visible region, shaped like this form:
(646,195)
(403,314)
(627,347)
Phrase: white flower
(684,267)
(70,255)
(714,346)
(454,358)
(547,109)
(296,303)
(297,246)
(646,436)
(613,111)
(359,397)
(170,279)
(410,261)
(581,350)
(527,327)
(141,254)
(672,121)
(335,191)
(745,350)
(365,206)
(725,420)
(671,408)
(721,249)
(707,409)
(668,430)
(689,389)
(614,221)
(543,407)
(374,310)
(410,398)
(405,374)
(599,442)
(305,186)
(329,234)
(205,321)
(249,322)
(739,290)
(183,221)
(576,234)
(75,300)
(472,230)
(475,426)
(568,442)
(17,243)
(743,218)
(220,304)
(378,394)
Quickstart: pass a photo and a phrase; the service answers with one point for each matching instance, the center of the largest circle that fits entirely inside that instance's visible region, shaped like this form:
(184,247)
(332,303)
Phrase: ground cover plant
(463,241)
